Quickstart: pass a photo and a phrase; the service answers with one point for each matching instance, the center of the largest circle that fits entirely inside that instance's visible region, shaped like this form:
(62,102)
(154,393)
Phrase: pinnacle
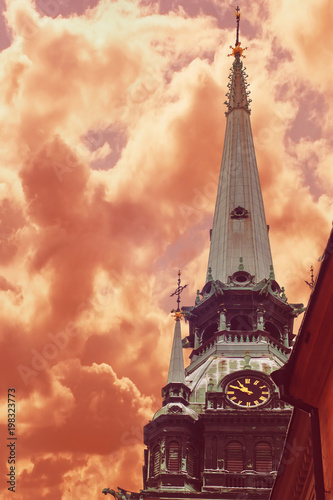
(271,274)
(176,367)
(209,275)
(238,93)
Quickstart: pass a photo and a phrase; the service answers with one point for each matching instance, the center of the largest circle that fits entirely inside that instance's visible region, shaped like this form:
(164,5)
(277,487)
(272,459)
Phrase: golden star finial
(237,50)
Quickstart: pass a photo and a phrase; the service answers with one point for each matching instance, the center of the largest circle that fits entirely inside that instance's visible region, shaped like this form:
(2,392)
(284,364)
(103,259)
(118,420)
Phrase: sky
(112,132)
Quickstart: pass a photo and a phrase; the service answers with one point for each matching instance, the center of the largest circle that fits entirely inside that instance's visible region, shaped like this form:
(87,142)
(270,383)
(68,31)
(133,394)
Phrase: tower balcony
(246,479)
(240,336)
(173,481)
(238,340)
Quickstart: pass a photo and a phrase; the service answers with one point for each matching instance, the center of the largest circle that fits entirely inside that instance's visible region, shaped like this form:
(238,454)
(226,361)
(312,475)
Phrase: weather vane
(311,283)
(237,50)
(177,292)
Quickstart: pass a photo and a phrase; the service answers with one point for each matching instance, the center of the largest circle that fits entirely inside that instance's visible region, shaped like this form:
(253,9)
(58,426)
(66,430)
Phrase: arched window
(191,461)
(209,332)
(241,322)
(263,457)
(173,457)
(235,457)
(273,330)
(156,461)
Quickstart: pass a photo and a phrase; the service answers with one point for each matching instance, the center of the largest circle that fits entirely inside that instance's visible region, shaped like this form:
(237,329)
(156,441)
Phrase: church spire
(239,226)
(176,388)
(176,367)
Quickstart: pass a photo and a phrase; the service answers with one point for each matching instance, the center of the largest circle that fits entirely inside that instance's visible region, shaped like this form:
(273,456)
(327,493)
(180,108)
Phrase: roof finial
(311,283)
(271,272)
(237,50)
(247,359)
(209,275)
(178,314)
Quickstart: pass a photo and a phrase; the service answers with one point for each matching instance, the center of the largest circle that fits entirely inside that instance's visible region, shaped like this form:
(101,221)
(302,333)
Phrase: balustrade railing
(246,479)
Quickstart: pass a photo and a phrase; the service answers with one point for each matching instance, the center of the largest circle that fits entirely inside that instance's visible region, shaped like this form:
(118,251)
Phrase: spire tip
(178,314)
(237,50)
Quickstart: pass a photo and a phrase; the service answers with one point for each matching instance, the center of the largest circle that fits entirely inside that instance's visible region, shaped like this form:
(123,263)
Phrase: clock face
(248,391)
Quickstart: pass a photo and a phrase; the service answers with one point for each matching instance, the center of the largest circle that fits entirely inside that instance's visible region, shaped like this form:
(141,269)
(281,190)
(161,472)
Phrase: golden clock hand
(242,389)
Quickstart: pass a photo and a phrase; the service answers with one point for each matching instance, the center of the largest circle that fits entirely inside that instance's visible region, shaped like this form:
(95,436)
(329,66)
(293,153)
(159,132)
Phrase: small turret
(176,388)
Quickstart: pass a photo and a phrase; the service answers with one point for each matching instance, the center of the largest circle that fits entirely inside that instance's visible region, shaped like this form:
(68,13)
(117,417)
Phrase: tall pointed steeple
(176,388)
(239,226)
(176,367)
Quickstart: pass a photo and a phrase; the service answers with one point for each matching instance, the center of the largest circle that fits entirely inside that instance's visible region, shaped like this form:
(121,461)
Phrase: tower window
(173,457)
(156,465)
(263,457)
(272,330)
(191,461)
(235,457)
(239,213)
(241,278)
(241,323)
(209,332)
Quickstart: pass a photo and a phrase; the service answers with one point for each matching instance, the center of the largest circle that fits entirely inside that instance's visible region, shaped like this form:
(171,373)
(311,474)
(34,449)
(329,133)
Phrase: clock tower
(221,428)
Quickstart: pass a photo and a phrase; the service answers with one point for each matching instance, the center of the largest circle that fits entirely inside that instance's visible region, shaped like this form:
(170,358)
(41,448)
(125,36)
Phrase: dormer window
(241,278)
(239,213)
